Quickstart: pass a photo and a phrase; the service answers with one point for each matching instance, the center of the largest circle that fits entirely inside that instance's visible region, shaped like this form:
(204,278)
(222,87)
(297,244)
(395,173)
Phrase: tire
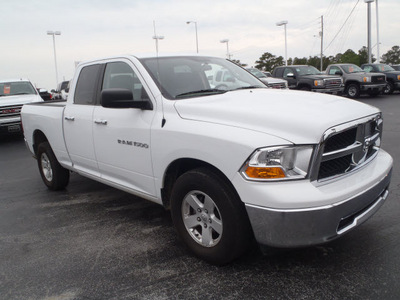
(209,217)
(54,176)
(389,88)
(353,91)
(305,88)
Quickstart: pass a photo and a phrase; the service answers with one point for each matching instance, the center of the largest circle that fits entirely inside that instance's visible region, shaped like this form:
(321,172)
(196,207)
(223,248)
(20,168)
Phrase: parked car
(14,93)
(46,96)
(308,78)
(233,164)
(57,93)
(357,81)
(392,76)
(271,82)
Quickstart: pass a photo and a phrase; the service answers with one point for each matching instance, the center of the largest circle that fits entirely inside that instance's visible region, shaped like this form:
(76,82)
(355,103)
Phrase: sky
(98,28)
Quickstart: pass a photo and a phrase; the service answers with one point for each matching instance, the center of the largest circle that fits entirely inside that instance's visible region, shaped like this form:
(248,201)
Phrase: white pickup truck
(287,168)
(14,93)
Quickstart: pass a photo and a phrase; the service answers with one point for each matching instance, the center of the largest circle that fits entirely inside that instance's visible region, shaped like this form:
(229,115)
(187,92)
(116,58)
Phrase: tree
(300,61)
(237,61)
(268,62)
(392,56)
(363,56)
(349,57)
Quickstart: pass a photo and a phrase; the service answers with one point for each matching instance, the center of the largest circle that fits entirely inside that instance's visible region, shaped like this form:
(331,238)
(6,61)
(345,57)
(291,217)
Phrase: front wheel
(54,176)
(209,217)
(389,88)
(353,91)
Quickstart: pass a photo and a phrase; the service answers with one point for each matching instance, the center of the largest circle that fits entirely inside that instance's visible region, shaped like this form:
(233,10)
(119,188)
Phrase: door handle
(101,122)
(69,118)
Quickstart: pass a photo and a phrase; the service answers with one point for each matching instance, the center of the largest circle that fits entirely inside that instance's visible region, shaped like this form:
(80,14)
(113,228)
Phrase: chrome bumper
(304,227)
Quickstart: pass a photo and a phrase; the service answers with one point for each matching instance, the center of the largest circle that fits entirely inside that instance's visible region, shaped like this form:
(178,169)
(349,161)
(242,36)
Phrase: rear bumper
(287,227)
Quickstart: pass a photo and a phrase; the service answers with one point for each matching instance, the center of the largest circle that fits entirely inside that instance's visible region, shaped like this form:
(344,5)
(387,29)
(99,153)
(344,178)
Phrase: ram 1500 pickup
(232,164)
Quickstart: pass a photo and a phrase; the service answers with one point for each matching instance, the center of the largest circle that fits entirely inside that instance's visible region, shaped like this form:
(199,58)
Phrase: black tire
(353,91)
(389,88)
(209,217)
(54,176)
(305,88)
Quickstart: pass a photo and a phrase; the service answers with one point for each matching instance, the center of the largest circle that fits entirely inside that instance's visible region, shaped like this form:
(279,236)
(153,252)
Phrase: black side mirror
(338,73)
(122,98)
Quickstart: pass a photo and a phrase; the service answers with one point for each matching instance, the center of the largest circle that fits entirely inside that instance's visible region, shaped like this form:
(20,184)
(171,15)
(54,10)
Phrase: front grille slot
(10,111)
(333,83)
(378,79)
(347,149)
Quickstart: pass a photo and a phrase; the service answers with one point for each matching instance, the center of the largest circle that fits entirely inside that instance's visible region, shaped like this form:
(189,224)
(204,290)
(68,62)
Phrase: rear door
(78,121)
(122,135)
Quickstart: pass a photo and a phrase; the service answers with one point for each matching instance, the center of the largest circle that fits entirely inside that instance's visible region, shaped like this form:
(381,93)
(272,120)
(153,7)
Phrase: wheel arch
(38,138)
(181,166)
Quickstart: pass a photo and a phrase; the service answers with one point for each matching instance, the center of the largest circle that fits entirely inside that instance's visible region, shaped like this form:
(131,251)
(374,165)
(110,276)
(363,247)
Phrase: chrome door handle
(102,122)
(69,118)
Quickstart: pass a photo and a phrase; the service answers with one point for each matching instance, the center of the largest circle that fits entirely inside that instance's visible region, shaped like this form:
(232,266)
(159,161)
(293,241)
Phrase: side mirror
(339,73)
(53,91)
(122,98)
(290,75)
(67,90)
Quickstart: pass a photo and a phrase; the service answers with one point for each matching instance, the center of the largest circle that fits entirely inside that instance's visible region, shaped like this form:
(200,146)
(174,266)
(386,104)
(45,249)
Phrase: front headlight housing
(367,79)
(319,83)
(278,163)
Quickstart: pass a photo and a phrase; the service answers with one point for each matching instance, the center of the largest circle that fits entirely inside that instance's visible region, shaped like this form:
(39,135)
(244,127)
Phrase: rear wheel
(54,176)
(209,217)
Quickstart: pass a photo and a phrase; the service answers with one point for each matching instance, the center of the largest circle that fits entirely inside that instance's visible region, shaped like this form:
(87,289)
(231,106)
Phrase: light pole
(54,33)
(227,47)
(197,41)
(156,37)
(284,23)
(369,30)
(378,57)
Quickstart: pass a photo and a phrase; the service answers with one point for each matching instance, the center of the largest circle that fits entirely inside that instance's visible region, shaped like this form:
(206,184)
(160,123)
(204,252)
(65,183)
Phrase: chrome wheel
(202,218)
(46,167)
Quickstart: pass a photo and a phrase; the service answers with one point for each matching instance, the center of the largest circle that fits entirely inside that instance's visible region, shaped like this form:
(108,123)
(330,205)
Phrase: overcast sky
(97,28)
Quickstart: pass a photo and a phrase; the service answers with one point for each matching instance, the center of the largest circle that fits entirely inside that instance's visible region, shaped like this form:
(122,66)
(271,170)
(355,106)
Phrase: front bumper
(345,204)
(373,87)
(328,90)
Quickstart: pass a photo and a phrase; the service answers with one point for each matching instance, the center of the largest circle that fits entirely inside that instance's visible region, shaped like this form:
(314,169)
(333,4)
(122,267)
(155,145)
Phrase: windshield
(307,70)
(187,76)
(257,73)
(16,88)
(384,68)
(352,69)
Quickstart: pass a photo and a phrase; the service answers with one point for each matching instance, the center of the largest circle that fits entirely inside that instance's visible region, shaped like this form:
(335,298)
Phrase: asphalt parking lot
(91,241)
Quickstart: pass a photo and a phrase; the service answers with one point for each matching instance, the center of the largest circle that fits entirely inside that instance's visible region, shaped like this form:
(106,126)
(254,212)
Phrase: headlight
(367,79)
(398,77)
(278,163)
(318,82)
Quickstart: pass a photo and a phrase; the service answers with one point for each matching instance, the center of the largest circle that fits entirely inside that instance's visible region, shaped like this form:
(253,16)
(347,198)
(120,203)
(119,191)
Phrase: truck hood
(19,99)
(297,116)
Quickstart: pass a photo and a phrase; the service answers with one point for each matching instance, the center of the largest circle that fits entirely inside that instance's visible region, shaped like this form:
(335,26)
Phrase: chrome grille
(277,85)
(378,79)
(333,83)
(10,111)
(348,147)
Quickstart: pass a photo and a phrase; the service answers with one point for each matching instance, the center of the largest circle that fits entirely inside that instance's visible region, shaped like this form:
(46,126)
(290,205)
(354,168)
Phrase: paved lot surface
(91,241)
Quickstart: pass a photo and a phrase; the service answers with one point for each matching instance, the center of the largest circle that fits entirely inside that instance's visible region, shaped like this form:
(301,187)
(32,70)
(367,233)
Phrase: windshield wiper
(205,92)
(22,93)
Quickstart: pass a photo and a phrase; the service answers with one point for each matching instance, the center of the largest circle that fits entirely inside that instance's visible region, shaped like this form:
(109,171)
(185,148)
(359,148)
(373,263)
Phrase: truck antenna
(156,38)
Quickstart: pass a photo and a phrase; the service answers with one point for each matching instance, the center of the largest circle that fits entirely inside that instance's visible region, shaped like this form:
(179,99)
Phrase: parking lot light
(54,33)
